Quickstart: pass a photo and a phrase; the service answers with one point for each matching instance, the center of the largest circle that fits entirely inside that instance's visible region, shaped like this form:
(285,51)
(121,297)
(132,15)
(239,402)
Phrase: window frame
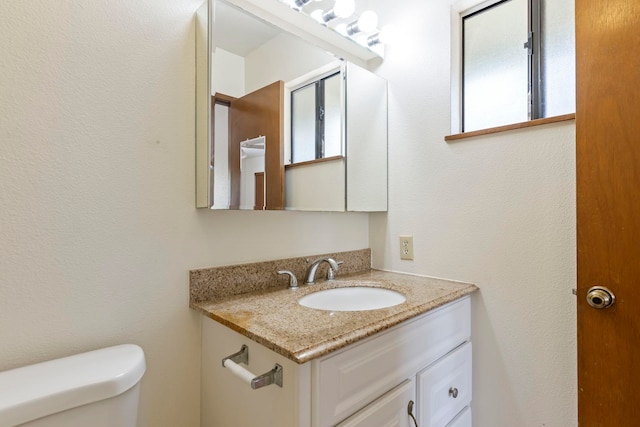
(329,70)
(320,110)
(536,97)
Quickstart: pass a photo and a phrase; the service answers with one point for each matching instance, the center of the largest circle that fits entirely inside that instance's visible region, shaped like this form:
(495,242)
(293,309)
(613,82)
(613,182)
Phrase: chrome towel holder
(232,363)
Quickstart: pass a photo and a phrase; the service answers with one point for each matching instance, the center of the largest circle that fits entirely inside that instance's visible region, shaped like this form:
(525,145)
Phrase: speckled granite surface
(273,317)
(209,284)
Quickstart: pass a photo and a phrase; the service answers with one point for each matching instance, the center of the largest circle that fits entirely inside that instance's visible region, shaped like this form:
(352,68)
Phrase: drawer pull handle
(453,392)
(410,412)
(232,363)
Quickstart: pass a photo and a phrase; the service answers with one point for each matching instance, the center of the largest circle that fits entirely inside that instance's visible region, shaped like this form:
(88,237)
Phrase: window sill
(312,162)
(514,126)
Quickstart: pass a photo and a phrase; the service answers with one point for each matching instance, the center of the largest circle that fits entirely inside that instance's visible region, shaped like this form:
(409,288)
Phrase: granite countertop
(274,318)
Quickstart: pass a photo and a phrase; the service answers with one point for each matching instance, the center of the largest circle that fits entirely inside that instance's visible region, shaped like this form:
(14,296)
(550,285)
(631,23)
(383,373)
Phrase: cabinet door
(444,388)
(390,410)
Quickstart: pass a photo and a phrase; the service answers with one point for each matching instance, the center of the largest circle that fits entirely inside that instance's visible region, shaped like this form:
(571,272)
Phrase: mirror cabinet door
(307,140)
(366,140)
(203,106)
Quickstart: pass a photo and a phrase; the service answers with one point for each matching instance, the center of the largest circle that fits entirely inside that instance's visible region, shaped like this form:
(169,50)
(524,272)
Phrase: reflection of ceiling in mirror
(239,32)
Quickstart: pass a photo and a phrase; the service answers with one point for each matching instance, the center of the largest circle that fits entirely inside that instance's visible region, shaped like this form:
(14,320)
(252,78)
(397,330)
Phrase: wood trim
(274,152)
(259,191)
(221,98)
(314,161)
(521,125)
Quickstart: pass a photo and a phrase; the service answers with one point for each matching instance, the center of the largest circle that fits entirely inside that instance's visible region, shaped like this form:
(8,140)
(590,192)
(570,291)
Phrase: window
(517,62)
(316,120)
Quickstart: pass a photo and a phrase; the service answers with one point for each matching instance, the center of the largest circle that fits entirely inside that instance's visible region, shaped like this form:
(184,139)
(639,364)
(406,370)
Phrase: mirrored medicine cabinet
(281,123)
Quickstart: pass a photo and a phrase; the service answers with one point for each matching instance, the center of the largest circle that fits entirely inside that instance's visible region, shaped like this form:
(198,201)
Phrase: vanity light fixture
(362,30)
(367,22)
(385,36)
(342,29)
(299,4)
(341,9)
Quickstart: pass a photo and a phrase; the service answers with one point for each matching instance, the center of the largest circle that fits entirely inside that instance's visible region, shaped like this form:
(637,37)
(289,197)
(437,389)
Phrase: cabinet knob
(453,392)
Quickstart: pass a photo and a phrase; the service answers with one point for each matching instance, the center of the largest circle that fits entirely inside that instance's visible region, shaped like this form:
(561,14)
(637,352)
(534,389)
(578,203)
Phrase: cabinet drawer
(463,419)
(389,410)
(444,388)
(346,381)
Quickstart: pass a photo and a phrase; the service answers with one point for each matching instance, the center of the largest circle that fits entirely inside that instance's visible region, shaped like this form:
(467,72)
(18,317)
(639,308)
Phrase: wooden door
(608,210)
(260,112)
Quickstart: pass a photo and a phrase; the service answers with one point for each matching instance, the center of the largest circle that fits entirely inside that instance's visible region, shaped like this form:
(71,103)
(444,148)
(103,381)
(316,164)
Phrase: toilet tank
(99,389)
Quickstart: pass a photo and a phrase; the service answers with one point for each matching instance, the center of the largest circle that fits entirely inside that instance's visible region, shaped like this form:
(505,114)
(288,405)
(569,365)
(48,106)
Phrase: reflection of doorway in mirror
(220,172)
(258,113)
(252,156)
(239,151)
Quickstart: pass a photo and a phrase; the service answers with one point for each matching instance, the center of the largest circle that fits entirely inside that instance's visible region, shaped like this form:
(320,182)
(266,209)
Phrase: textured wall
(97,224)
(98,229)
(498,211)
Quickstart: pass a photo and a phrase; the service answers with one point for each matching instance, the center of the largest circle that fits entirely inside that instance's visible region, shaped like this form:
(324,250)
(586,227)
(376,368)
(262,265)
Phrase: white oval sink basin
(352,298)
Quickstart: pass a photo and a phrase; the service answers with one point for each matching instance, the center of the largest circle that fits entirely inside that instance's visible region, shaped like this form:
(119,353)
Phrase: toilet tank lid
(35,391)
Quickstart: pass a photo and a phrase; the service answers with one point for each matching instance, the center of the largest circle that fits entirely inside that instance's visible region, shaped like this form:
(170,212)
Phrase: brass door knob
(600,297)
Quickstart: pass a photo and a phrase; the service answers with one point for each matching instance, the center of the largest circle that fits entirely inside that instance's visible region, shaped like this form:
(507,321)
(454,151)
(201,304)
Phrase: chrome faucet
(293,282)
(310,276)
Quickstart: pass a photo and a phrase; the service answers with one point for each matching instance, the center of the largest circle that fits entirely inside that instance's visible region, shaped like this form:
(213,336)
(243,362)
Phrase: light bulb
(317,15)
(344,8)
(368,21)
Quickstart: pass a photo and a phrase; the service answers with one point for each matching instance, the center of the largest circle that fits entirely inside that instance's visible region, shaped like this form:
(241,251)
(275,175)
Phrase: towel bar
(232,363)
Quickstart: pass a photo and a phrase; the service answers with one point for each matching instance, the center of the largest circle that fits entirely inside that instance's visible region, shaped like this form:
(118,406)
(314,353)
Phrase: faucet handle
(331,272)
(293,282)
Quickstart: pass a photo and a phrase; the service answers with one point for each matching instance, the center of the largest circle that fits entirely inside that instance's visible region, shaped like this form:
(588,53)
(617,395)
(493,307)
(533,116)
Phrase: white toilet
(95,389)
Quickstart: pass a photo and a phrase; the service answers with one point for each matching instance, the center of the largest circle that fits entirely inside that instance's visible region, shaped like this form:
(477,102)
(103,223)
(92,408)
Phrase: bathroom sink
(352,298)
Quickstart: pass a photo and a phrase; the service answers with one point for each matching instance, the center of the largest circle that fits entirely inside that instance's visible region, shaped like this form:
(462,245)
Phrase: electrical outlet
(406,247)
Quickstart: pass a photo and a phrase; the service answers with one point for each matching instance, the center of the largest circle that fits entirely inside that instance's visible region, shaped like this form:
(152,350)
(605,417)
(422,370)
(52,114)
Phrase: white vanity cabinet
(444,388)
(388,410)
(426,359)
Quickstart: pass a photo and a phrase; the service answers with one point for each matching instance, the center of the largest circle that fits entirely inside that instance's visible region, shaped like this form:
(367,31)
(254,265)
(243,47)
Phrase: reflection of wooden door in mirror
(259,113)
(259,191)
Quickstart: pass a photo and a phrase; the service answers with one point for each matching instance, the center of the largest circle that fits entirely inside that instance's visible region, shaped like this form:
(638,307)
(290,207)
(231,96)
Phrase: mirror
(285,125)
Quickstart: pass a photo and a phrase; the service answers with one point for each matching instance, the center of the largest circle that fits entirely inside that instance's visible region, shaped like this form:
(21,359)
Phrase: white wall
(284,57)
(227,73)
(498,211)
(317,186)
(98,225)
